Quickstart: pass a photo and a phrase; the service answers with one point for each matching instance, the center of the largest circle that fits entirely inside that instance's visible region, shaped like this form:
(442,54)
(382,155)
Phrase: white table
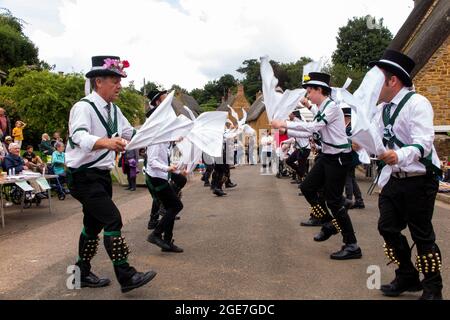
(11,181)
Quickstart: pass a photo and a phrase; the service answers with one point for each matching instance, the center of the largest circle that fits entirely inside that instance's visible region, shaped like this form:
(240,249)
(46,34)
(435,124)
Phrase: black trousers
(168,197)
(351,186)
(208,172)
(93,188)
(409,203)
(328,175)
(220,173)
(298,161)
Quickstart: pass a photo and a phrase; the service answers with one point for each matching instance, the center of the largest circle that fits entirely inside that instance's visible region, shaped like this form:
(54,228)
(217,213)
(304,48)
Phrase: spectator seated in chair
(58,163)
(33,161)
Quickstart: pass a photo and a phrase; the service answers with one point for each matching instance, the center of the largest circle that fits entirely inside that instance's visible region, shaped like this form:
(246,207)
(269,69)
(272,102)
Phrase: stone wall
(433,81)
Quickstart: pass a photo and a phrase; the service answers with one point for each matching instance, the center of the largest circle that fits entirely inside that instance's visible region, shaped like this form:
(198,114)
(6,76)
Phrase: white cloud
(189,42)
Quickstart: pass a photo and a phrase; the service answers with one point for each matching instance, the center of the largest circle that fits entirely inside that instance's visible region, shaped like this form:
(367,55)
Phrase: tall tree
(361,41)
(15,48)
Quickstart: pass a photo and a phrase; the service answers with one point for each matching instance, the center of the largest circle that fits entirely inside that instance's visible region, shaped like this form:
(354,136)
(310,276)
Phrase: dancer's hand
(389,157)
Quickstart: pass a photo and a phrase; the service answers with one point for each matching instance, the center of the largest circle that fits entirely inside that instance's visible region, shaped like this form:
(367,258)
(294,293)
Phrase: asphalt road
(247,245)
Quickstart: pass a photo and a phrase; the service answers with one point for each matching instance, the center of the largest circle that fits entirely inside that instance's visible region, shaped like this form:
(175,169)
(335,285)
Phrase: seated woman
(32,161)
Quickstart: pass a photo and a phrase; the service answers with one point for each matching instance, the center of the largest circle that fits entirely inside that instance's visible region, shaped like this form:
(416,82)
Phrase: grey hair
(58,144)
(94,82)
(13,145)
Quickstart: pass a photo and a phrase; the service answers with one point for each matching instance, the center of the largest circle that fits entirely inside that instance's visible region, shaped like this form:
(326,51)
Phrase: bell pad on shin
(429,262)
(318,212)
(390,254)
(89,249)
(120,250)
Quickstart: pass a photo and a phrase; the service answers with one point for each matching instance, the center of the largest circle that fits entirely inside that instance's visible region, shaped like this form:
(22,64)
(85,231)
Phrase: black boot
(156,239)
(404,281)
(87,249)
(429,262)
(348,251)
(328,230)
(118,251)
(219,192)
(432,287)
(172,247)
(311,222)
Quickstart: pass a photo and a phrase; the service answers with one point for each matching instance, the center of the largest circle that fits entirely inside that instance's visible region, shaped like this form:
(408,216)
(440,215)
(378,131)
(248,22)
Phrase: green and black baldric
(110,131)
(389,138)
(320,116)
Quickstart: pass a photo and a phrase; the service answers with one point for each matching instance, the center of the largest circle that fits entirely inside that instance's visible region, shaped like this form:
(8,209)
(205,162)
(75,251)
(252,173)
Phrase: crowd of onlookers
(14,159)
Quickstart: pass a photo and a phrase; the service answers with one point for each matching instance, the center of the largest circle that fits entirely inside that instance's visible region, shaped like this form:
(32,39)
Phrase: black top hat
(397,63)
(347,111)
(317,79)
(103,66)
(154,95)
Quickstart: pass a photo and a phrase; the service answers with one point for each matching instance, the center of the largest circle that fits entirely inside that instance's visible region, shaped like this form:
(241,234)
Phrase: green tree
(150,86)
(15,48)
(252,78)
(131,102)
(361,41)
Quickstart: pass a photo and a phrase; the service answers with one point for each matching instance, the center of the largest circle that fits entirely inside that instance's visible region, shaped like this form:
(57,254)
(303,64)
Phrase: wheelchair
(57,184)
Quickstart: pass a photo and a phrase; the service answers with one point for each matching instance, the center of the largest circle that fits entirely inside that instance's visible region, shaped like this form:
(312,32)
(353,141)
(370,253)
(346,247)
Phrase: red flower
(126,64)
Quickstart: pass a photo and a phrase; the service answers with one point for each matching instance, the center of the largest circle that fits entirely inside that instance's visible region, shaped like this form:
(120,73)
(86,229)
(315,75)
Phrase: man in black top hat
(407,200)
(330,169)
(97,131)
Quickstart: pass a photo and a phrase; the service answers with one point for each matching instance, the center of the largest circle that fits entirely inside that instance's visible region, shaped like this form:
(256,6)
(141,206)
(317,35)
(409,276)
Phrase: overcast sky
(189,42)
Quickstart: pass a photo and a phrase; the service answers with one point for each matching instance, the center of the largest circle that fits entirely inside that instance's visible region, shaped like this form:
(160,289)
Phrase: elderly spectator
(45,146)
(5,124)
(13,160)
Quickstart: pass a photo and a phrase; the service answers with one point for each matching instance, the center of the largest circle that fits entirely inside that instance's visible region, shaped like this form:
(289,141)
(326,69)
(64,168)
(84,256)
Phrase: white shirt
(332,131)
(266,143)
(301,137)
(158,160)
(414,125)
(83,116)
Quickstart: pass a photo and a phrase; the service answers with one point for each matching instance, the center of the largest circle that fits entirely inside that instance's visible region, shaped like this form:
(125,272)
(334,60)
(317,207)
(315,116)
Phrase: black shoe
(92,281)
(357,205)
(157,240)
(219,192)
(152,225)
(347,252)
(173,248)
(207,184)
(133,189)
(431,295)
(129,187)
(324,234)
(137,280)
(230,185)
(311,222)
(400,285)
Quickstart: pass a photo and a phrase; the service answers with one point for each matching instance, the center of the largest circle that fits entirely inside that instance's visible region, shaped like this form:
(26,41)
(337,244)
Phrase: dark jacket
(46,148)
(13,161)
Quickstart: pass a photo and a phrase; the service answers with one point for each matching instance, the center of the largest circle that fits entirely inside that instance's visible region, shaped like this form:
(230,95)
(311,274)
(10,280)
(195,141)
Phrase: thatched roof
(424,31)
(225,103)
(256,109)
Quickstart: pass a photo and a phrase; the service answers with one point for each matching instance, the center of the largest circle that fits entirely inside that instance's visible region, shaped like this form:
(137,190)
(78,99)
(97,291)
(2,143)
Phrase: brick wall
(433,81)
